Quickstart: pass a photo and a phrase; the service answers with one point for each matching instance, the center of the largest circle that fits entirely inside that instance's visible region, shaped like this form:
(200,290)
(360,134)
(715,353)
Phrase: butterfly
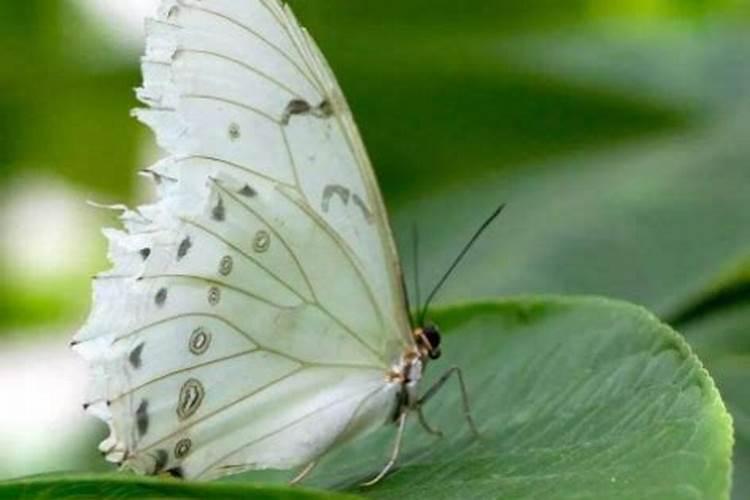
(255,315)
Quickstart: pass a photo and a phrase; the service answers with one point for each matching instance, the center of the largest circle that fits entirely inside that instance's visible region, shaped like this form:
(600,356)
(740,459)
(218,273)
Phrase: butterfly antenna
(407,305)
(458,260)
(415,256)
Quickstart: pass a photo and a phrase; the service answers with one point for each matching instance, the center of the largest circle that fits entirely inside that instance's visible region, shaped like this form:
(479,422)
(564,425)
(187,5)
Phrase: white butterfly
(255,315)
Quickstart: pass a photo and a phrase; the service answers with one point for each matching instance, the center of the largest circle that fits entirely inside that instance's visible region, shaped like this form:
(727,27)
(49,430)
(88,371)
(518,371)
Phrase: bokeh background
(617,132)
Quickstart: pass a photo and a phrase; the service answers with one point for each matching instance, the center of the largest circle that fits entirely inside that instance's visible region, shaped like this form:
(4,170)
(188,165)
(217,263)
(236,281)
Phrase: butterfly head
(428,341)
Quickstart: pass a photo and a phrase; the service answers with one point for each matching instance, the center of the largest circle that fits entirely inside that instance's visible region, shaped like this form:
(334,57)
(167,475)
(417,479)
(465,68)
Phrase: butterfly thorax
(408,372)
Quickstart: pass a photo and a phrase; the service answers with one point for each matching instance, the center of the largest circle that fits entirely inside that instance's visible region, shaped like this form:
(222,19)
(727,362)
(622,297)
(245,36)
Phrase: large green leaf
(722,340)
(89,486)
(575,398)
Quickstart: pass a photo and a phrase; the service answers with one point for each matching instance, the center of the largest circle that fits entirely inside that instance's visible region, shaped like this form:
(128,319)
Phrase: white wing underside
(251,312)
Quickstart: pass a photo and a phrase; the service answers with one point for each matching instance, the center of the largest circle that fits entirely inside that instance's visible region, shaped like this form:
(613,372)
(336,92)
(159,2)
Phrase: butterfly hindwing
(253,310)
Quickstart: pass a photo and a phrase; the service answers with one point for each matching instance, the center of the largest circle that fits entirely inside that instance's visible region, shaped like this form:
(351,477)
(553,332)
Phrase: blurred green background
(617,132)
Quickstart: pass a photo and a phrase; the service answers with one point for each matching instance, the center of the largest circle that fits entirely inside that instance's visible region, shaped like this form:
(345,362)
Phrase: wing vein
(285,26)
(233,103)
(292,162)
(182,370)
(345,248)
(276,234)
(236,166)
(248,257)
(209,415)
(317,303)
(242,64)
(214,282)
(283,428)
(260,37)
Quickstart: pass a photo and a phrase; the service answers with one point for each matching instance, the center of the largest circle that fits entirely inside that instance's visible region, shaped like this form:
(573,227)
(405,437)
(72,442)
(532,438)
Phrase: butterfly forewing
(253,310)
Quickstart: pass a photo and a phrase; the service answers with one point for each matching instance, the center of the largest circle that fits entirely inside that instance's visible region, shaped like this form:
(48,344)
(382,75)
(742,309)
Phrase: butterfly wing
(253,310)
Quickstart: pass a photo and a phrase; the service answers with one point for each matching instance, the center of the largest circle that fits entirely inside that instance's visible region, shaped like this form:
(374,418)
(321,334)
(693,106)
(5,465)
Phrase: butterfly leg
(304,472)
(394,455)
(426,426)
(464,396)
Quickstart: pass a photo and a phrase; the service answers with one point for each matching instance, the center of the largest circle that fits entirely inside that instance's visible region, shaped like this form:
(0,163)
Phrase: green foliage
(574,398)
(120,486)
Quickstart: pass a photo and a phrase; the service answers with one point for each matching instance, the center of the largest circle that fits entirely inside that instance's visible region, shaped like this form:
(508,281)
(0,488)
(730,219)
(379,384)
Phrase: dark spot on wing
(324,109)
(214,295)
(161,297)
(234,131)
(219,213)
(334,189)
(184,247)
(135,355)
(248,191)
(302,107)
(190,398)
(176,472)
(145,253)
(361,204)
(141,418)
(295,107)
(161,457)
(200,339)
(182,448)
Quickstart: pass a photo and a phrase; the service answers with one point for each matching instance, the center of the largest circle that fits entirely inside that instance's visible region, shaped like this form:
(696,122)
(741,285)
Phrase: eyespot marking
(145,253)
(191,397)
(225,265)
(200,339)
(135,355)
(214,295)
(261,241)
(181,449)
(248,191)
(161,297)
(141,418)
(184,247)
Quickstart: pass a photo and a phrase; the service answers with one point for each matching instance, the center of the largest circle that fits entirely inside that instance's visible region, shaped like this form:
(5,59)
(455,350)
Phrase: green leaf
(722,340)
(580,398)
(121,486)
(575,398)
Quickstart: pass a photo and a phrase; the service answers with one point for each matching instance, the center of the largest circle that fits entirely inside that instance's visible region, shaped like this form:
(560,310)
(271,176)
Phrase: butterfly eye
(433,336)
